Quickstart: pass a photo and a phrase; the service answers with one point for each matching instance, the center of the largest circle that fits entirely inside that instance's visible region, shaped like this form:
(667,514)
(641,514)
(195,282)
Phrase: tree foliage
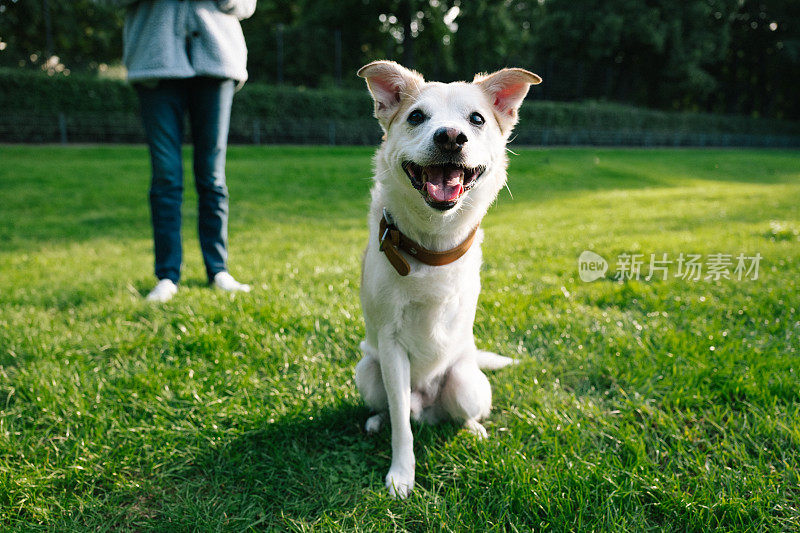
(732,56)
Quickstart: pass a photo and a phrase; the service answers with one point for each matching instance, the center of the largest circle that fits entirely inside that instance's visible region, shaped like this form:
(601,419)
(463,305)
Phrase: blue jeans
(163,106)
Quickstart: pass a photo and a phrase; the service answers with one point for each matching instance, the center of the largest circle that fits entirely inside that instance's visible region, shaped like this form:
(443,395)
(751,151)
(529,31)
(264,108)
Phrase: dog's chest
(430,335)
(436,323)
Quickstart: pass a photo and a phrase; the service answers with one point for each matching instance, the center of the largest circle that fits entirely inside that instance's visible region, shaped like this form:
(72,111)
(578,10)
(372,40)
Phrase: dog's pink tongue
(444,185)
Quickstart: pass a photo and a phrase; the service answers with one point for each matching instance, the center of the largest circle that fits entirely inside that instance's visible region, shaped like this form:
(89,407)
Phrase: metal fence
(23,127)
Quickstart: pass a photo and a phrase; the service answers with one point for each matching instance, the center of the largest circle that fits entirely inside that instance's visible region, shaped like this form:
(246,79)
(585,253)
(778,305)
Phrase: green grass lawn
(638,405)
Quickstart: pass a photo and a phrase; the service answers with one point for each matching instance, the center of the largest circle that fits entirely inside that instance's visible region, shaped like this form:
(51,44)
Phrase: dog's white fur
(420,358)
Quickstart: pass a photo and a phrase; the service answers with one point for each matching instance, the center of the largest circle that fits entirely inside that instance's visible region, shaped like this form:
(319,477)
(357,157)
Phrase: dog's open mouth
(442,185)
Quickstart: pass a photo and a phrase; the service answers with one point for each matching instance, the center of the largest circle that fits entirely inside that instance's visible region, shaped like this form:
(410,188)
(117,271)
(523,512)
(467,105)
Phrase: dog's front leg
(395,369)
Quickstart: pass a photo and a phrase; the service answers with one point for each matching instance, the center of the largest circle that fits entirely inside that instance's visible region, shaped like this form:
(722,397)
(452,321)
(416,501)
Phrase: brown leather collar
(392,240)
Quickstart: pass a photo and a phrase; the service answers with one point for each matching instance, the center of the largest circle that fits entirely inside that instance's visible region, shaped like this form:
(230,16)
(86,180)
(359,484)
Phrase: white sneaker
(224,281)
(163,292)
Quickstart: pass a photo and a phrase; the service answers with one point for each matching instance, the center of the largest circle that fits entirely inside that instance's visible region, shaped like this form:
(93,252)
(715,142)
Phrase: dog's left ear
(507,89)
(389,83)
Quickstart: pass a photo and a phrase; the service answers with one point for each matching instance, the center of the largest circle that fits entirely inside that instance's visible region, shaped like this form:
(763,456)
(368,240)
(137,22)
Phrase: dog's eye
(477,119)
(416,117)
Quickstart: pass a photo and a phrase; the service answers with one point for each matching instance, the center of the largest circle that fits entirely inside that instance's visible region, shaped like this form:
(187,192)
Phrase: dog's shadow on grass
(301,466)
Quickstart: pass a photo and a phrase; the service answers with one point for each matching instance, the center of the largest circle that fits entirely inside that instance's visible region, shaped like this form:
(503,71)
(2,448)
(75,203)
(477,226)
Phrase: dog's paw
(374,424)
(400,483)
(477,429)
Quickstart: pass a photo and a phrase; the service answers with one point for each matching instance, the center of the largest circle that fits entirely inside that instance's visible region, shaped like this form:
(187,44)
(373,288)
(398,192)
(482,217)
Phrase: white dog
(441,165)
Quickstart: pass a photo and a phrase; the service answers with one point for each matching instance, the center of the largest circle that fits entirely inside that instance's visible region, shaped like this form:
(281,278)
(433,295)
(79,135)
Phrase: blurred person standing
(187,55)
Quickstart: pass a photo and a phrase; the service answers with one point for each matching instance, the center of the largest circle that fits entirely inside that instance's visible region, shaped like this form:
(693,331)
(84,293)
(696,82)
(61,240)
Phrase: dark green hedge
(289,114)
(26,90)
(611,116)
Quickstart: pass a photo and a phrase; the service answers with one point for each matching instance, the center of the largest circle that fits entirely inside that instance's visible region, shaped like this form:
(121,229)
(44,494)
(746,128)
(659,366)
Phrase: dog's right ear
(389,83)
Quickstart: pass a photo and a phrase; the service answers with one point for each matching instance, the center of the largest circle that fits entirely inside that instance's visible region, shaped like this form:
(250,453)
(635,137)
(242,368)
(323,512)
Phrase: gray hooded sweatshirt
(185,38)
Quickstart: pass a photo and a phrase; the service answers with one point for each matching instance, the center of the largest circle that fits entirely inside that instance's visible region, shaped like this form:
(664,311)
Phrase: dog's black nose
(449,139)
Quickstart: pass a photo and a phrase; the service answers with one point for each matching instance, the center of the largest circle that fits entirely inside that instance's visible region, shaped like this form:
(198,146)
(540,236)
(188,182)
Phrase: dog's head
(444,143)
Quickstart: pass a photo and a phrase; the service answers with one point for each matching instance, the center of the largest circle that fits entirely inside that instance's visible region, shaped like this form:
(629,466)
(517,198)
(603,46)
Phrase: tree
(762,64)
(653,52)
(733,56)
(83,33)
(492,35)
